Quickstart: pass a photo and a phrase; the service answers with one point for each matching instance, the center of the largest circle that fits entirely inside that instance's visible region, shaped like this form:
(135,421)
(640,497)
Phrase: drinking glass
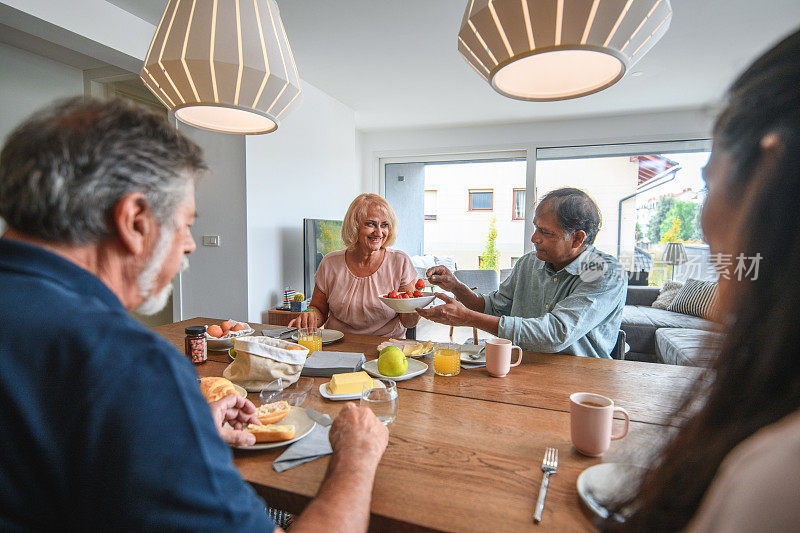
(380,395)
(447,359)
(311,338)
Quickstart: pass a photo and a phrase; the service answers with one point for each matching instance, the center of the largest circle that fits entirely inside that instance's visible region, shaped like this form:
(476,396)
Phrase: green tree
(686,212)
(491,255)
(663,206)
(674,230)
(639,233)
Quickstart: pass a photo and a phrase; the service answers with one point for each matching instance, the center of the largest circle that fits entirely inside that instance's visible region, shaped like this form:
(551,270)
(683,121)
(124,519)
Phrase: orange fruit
(214,331)
(226,327)
(237,327)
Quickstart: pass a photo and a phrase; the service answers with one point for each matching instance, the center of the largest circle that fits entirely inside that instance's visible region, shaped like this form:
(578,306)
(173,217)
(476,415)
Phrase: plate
(302,426)
(415,368)
(329,336)
(323,390)
(471,349)
(408,305)
(606,483)
(401,343)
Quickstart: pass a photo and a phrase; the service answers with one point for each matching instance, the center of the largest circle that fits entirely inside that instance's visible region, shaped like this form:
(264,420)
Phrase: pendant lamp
(544,50)
(223,65)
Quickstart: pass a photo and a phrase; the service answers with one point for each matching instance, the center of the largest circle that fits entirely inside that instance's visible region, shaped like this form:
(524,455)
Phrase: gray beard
(153,303)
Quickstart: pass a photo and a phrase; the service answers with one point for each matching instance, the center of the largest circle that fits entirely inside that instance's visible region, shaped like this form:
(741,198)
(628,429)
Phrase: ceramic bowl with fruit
(408,302)
(220,336)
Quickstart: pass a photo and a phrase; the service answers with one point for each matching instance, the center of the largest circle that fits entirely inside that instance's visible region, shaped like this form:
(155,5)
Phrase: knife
(321,419)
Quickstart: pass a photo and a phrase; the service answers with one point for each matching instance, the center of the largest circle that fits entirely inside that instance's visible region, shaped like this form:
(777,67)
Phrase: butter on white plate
(348,386)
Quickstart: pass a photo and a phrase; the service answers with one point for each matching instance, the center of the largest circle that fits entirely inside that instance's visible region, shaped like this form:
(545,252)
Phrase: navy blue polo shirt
(102,422)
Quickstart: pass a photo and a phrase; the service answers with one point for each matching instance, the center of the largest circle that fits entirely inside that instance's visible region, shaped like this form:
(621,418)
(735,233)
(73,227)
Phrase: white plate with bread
(293,427)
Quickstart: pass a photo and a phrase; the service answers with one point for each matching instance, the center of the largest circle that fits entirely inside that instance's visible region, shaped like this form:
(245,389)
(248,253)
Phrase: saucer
(605,484)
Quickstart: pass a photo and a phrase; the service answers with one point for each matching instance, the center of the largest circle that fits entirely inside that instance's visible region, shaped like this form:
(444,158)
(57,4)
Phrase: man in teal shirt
(564,297)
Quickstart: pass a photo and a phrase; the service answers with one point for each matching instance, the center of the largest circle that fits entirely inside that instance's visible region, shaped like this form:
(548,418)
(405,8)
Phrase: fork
(549,466)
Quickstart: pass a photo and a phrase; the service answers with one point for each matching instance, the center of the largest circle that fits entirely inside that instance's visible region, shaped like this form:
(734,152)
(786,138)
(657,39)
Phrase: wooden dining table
(465,452)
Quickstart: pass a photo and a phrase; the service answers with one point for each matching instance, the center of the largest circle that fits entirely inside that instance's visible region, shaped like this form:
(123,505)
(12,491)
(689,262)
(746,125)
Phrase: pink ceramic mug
(498,357)
(591,416)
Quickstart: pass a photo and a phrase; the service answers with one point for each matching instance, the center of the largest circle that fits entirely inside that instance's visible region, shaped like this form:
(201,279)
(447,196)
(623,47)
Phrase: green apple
(392,362)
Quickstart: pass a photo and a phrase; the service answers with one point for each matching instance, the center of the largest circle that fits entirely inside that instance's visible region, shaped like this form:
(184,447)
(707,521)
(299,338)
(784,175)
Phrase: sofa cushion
(668,293)
(696,298)
(687,347)
(641,295)
(641,322)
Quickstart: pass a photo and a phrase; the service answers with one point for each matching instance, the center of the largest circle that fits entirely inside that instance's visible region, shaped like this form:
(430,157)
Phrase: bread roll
(214,388)
(271,432)
(273,412)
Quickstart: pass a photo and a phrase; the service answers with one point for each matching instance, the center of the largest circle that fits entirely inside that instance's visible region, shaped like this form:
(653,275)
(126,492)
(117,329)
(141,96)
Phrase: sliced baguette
(273,412)
(271,432)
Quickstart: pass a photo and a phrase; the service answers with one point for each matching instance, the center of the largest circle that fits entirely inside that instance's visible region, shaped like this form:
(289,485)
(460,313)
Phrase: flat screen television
(320,237)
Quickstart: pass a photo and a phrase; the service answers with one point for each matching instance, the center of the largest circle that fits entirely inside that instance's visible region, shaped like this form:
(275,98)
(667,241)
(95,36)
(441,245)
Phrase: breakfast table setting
(486,448)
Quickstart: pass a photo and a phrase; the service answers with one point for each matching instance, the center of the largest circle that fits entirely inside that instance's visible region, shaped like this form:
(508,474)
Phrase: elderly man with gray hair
(564,297)
(103,421)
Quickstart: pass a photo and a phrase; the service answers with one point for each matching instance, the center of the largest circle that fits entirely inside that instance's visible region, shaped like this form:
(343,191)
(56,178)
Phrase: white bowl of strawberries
(408,302)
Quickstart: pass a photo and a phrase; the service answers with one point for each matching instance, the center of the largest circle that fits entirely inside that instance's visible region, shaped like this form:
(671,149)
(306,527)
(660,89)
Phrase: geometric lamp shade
(223,65)
(544,50)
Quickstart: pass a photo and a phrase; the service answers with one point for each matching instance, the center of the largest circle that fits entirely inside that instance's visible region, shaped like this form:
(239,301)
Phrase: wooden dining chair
(619,349)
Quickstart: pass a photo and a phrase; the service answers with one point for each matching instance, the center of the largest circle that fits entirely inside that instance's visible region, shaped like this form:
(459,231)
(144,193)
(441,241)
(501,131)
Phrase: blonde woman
(348,282)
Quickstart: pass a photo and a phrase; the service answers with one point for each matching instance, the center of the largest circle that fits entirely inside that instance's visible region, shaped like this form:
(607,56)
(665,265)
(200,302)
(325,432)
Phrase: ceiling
(396,65)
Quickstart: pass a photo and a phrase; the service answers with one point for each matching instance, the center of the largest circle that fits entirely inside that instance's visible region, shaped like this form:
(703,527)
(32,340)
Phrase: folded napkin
(314,445)
(326,364)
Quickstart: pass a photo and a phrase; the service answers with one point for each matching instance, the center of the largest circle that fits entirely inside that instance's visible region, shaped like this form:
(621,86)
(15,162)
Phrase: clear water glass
(380,395)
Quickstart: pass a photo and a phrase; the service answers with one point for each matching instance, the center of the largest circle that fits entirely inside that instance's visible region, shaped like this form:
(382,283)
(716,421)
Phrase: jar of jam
(196,348)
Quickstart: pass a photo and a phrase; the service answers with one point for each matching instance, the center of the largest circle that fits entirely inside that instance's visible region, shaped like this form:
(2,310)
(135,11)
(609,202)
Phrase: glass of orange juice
(311,338)
(447,359)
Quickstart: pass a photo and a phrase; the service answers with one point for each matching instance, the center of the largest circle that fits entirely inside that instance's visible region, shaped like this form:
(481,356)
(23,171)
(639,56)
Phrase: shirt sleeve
(754,489)
(408,272)
(322,274)
(498,303)
(590,304)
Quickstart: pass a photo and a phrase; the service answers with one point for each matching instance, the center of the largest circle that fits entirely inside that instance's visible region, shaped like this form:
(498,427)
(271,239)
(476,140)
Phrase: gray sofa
(661,336)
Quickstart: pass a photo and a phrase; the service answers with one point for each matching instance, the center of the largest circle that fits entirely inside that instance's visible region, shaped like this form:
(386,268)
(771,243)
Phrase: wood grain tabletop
(465,452)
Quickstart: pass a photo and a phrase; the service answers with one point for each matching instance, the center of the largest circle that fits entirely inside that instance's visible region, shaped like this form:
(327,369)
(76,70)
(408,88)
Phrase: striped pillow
(696,298)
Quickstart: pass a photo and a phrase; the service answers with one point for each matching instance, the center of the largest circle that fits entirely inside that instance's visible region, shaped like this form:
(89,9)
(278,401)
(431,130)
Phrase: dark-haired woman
(735,464)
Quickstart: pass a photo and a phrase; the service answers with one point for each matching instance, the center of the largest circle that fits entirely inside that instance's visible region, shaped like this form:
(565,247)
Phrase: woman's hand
(306,319)
(409,320)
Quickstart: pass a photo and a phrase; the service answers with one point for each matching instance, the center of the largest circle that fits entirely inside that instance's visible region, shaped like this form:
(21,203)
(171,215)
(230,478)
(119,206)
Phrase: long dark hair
(755,379)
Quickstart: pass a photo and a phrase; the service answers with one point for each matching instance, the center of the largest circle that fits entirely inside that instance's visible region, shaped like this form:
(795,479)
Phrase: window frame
(469,196)
(426,216)
(513,203)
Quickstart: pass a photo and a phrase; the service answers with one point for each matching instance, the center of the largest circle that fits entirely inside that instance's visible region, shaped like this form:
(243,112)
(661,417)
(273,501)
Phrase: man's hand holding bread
(238,412)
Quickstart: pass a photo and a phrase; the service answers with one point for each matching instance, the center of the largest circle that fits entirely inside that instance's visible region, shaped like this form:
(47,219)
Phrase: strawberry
(410,294)
(405,295)
(417,294)
(420,284)
(393,294)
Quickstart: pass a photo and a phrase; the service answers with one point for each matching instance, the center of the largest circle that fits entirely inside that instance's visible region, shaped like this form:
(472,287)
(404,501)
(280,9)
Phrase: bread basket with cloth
(260,360)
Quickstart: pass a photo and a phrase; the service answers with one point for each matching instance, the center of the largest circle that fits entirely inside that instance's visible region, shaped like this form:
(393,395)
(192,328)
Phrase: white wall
(29,82)
(307,169)
(216,283)
(641,127)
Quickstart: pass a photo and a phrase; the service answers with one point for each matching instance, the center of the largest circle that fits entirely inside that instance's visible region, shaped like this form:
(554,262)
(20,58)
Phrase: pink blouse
(353,304)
